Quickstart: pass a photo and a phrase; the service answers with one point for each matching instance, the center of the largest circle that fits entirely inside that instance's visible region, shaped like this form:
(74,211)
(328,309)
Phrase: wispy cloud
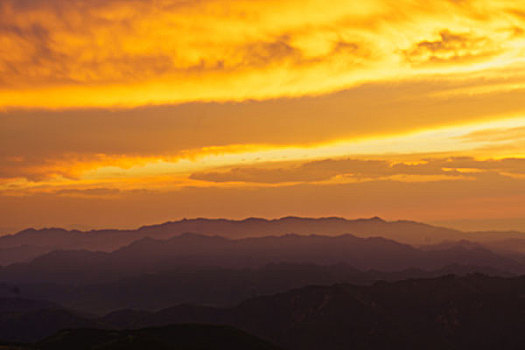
(498,135)
(120,53)
(364,169)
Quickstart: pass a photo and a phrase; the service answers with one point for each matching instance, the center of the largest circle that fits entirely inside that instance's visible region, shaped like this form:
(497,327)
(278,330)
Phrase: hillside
(448,312)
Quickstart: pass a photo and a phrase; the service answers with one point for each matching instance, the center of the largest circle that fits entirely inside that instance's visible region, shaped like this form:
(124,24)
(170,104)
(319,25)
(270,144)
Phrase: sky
(120,113)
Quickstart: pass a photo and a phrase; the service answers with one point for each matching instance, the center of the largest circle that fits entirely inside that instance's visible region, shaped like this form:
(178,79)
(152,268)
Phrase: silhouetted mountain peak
(28,231)
(46,230)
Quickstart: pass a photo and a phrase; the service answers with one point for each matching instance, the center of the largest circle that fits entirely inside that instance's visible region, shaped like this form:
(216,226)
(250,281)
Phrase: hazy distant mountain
(23,253)
(509,246)
(197,251)
(38,241)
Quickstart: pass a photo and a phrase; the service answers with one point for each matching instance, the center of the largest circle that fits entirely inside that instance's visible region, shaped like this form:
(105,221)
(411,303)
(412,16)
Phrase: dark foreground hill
(471,312)
(24,320)
(175,337)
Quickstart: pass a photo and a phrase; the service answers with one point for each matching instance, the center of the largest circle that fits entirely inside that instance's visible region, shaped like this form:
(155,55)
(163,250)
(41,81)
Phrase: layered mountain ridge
(28,244)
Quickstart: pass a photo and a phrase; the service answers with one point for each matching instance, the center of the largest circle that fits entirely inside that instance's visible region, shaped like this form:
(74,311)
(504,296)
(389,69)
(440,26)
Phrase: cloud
(491,196)
(63,54)
(76,41)
(367,169)
(498,135)
(324,170)
(89,192)
(509,165)
(451,47)
(30,138)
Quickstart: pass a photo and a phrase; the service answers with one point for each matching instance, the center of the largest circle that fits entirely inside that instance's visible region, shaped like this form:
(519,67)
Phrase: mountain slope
(30,320)
(473,312)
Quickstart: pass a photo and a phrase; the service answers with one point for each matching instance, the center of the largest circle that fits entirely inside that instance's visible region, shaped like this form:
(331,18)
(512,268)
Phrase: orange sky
(122,113)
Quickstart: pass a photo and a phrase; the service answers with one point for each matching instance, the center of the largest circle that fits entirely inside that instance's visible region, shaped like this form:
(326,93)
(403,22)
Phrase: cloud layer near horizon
(328,169)
(489,197)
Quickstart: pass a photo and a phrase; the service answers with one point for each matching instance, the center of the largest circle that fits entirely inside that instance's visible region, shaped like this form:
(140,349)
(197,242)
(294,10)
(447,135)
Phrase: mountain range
(196,251)
(211,286)
(28,244)
(298,283)
(213,270)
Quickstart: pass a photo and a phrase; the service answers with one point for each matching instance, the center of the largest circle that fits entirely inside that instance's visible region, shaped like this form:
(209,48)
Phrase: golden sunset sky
(118,113)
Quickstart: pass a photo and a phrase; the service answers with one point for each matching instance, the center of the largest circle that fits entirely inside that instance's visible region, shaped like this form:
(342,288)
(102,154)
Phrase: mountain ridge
(199,251)
(242,227)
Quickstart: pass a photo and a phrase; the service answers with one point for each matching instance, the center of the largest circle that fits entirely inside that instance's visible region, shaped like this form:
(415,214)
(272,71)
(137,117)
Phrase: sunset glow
(141,111)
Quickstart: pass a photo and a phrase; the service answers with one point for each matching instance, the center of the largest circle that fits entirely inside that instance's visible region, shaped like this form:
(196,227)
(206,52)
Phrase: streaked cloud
(451,48)
(498,135)
(128,53)
(372,119)
(365,169)
(145,167)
